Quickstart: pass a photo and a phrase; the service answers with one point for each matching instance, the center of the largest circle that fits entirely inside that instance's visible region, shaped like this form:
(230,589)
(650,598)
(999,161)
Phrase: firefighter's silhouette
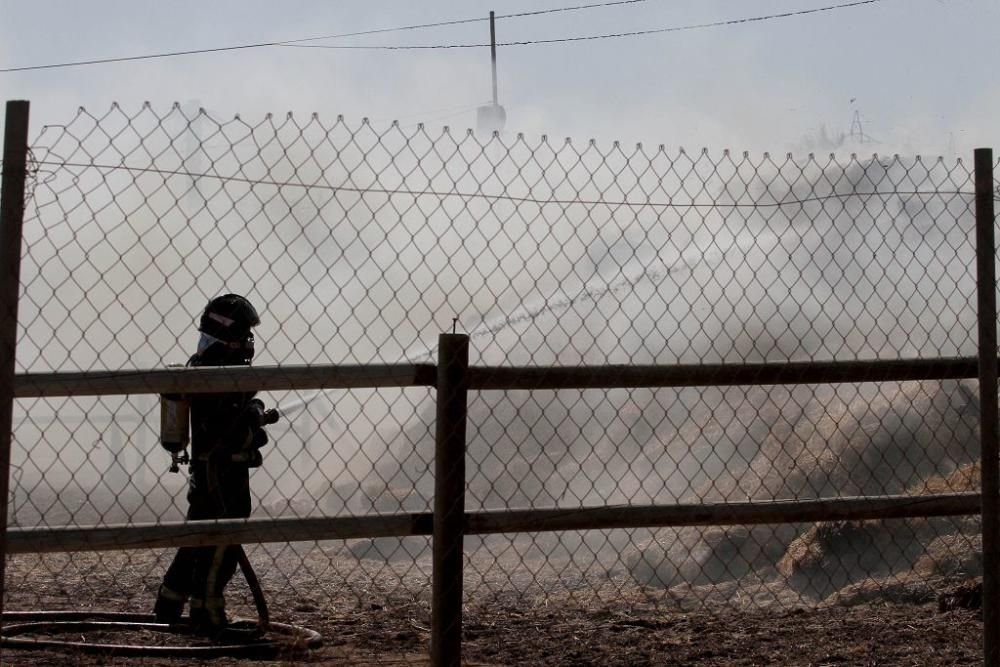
(226,436)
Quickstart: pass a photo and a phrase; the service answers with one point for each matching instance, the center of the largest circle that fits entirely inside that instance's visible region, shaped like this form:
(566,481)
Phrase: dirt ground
(382,617)
(867,636)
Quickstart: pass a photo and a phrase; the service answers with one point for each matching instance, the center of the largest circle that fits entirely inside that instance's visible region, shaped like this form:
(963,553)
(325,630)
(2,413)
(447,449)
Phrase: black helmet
(229,318)
(226,337)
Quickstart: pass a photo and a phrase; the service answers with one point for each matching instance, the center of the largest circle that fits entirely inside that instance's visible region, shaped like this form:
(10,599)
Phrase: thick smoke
(362,243)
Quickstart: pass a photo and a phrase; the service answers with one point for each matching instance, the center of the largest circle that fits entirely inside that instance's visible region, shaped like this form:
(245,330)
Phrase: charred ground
(365,622)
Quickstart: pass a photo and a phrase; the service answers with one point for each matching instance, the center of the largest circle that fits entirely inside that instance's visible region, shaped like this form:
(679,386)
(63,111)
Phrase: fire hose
(284,639)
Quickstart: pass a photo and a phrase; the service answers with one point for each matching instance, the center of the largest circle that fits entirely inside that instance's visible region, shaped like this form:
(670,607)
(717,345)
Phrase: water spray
(654,271)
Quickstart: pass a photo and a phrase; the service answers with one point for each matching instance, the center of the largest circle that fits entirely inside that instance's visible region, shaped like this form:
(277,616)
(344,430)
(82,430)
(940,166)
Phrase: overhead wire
(581,38)
(478,19)
(299,41)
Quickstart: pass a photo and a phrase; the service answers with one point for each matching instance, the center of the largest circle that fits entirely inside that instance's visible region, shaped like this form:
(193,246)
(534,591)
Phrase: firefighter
(226,436)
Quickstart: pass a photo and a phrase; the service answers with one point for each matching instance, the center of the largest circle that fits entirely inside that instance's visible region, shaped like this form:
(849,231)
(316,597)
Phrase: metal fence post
(987,316)
(449,500)
(15,167)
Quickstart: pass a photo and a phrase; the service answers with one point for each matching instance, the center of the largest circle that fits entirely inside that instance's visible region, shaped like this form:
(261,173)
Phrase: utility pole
(491,118)
(493,56)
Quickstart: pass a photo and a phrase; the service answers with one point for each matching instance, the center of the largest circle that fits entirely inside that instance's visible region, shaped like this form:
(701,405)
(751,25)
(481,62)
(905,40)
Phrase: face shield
(215,352)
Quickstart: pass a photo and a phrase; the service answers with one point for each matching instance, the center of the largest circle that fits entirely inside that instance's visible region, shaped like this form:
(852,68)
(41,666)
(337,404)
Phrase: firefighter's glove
(253,413)
(257,416)
(249,454)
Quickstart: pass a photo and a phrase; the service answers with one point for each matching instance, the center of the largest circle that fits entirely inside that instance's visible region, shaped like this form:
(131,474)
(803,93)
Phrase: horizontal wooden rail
(271,378)
(696,375)
(221,379)
(722,514)
(253,531)
(223,531)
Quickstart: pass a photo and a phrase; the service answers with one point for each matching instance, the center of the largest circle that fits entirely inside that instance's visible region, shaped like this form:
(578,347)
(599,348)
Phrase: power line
(102,61)
(699,26)
(299,41)
(439,24)
(632,33)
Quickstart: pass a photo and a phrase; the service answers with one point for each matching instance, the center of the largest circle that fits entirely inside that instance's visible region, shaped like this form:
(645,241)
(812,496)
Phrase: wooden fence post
(987,316)
(449,500)
(15,167)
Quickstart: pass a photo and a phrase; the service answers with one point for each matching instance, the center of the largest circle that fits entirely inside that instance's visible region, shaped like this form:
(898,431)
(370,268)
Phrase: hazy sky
(921,72)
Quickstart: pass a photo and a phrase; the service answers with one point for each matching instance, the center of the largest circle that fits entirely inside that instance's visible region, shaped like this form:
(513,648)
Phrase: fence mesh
(360,244)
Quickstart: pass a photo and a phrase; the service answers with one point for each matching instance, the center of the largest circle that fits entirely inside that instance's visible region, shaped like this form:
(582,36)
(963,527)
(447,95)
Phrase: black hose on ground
(285,639)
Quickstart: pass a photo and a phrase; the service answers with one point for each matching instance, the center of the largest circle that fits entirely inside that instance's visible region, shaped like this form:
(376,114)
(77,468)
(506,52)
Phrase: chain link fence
(361,243)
